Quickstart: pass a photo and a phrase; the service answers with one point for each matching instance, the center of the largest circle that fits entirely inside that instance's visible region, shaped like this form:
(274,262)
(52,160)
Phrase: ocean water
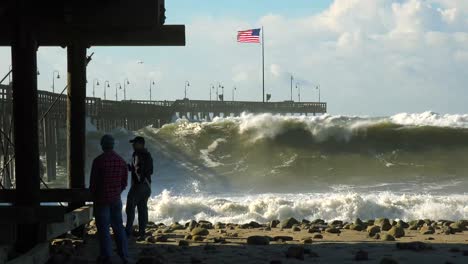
(265,167)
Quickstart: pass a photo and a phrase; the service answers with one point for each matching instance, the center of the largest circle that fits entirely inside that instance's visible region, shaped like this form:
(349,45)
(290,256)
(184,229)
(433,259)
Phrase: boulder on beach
(307,240)
(317,236)
(402,224)
(183,243)
(258,240)
(198,231)
(356,227)
(219,225)
(198,238)
(397,232)
(387,237)
(274,223)
(336,223)
(358,221)
(372,230)
(296,228)
(456,227)
(296,252)
(427,230)
(384,223)
(289,222)
(191,225)
(177,226)
(314,229)
(205,224)
(332,230)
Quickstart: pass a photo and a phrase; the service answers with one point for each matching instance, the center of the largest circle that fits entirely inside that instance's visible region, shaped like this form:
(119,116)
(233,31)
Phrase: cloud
(371,57)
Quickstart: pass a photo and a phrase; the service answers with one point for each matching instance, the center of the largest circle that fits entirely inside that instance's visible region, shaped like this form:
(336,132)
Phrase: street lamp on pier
(211,89)
(187,84)
(151,89)
(298,87)
(318,88)
(106,85)
(119,86)
(126,82)
(53,79)
(233,92)
(95,83)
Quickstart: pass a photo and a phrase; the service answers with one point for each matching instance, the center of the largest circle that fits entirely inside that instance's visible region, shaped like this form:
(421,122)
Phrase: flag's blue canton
(256,32)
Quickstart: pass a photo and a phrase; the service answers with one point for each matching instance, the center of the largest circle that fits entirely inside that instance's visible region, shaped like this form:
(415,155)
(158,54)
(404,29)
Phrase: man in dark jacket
(140,191)
(108,179)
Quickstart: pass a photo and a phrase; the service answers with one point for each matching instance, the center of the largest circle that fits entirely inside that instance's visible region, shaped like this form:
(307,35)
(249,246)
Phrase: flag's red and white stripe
(248,36)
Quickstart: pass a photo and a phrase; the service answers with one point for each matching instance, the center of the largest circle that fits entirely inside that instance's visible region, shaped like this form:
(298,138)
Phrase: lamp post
(119,86)
(292,79)
(233,92)
(187,84)
(151,89)
(211,89)
(53,80)
(318,88)
(298,87)
(106,85)
(95,82)
(126,82)
(217,91)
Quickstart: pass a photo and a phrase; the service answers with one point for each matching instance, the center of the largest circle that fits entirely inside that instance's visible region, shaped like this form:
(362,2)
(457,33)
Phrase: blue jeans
(111,215)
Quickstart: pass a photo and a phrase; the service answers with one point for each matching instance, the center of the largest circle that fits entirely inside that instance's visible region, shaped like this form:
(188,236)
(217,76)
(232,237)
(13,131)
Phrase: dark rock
(430,238)
(387,237)
(317,236)
(318,222)
(198,231)
(427,230)
(372,230)
(267,228)
(361,255)
(388,260)
(305,222)
(384,223)
(417,223)
(177,226)
(295,228)
(358,222)
(314,229)
(456,227)
(188,237)
(150,239)
(283,238)
(183,243)
(336,223)
(356,227)
(258,240)
(274,223)
(402,224)
(376,236)
(396,231)
(307,240)
(296,252)
(288,223)
(219,240)
(219,226)
(191,225)
(161,239)
(414,246)
(254,224)
(198,238)
(333,230)
(413,227)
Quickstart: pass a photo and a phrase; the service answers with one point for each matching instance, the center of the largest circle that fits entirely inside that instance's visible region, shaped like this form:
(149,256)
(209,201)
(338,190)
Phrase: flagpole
(263,65)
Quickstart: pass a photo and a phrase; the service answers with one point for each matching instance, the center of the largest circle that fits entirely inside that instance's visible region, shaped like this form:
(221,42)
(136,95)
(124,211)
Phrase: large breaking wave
(289,153)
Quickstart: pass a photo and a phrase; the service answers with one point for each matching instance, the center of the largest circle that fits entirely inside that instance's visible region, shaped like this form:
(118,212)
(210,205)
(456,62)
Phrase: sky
(369,57)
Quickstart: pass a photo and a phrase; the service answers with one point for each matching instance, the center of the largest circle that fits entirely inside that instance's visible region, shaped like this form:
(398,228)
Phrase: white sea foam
(168,208)
(431,119)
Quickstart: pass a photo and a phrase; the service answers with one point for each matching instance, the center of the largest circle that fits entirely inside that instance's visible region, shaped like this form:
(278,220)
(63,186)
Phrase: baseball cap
(138,140)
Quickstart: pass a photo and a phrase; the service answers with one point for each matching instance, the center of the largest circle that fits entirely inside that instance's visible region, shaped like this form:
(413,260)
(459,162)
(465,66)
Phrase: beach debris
(296,252)
(361,255)
(258,240)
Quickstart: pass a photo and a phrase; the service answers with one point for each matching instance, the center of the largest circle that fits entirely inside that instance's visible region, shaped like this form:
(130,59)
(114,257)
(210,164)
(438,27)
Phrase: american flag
(249,36)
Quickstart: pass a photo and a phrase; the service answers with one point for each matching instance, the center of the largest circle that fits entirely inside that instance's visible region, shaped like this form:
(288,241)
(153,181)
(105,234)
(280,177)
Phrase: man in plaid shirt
(108,180)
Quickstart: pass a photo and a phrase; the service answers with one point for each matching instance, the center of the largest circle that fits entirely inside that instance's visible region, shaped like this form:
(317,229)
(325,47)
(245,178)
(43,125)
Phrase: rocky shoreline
(378,240)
